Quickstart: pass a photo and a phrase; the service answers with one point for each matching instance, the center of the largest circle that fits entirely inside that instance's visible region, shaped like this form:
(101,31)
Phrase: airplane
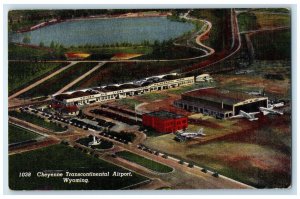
(270,110)
(250,116)
(189,135)
(277,105)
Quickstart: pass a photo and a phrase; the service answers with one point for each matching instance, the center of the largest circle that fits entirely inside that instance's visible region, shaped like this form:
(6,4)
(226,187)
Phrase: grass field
(154,96)
(21,74)
(19,134)
(269,20)
(152,165)
(129,102)
(55,83)
(111,73)
(274,45)
(258,155)
(17,52)
(64,158)
(36,120)
(247,21)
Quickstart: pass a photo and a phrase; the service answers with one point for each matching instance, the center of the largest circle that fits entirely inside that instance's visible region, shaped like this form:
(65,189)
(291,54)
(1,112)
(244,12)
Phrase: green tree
(42,44)
(26,39)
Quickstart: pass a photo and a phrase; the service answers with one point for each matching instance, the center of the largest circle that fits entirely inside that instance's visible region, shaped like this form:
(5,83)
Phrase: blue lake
(106,31)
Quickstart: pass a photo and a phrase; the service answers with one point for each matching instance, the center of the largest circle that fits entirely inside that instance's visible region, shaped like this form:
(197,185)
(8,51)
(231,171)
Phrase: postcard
(149,99)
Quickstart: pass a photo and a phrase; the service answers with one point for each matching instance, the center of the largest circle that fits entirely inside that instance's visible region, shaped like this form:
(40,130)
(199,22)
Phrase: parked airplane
(270,110)
(277,105)
(250,116)
(185,135)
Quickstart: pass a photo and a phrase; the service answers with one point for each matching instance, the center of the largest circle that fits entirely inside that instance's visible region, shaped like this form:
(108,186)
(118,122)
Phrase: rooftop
(165,115)
(219,95)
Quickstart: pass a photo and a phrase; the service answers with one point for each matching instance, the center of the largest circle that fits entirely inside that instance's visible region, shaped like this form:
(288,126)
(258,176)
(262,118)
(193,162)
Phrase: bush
(190,165)
(204,170)
(215,174)
(180,162)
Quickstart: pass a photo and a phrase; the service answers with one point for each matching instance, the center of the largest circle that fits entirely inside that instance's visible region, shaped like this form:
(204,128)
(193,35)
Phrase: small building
(220,103)
(165,121)
(204,78)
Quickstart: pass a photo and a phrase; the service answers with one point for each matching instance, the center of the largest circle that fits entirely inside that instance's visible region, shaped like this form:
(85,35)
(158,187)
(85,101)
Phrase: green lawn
(21,74)
(274,45)
(17,52)
(55,83)
(247,21)
(36,120)
(19,134)
(130,103)
(64,158)
(150,164)
(154,96)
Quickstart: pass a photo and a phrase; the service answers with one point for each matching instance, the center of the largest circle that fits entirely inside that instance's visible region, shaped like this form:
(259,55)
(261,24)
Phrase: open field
(55,83)
(150,164)
(18,134)
(257,154)
(248,21)
(123,72)
(272,45)
(270,20)
(22,74)
(257,81)
(22,52)
(55,158)
(254,20)
(36,120)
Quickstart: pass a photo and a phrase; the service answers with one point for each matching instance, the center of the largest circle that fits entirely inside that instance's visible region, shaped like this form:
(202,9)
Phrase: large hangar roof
(219,95)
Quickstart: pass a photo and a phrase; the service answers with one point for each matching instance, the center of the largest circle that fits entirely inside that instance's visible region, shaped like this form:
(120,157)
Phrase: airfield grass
(150,164)
(250,163)
(36,120)
(21,74)
(154,96)
(55,83)
(64,158)
(129,102)
(19,134)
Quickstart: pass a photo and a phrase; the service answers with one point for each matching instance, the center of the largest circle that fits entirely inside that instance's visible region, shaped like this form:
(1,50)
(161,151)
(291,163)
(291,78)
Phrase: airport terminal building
(220,103)
(165,121)
(119,91)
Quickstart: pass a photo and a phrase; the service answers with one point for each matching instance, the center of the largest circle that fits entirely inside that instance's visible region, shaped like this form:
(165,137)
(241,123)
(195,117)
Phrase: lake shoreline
(120,16)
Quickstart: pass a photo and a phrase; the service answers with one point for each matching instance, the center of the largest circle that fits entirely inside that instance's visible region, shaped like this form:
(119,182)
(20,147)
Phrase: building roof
(165,115)
(219,95)
(76,94)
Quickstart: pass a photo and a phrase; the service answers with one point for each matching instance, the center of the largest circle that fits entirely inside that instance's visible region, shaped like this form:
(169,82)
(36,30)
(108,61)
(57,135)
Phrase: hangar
(220,103)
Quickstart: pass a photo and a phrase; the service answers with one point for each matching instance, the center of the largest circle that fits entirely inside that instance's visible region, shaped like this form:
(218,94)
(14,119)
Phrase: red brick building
(164,121)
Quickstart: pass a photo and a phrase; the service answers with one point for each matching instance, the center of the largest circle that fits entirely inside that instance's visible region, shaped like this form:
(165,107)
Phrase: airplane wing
(253,113)
(237,116)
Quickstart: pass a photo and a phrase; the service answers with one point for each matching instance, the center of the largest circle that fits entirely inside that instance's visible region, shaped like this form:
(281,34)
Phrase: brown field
(246,82)
(125,56)
(257,153)
(269,20)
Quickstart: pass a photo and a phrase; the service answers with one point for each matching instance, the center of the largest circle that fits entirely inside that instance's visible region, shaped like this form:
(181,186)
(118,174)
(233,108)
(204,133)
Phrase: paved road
(66,87)
(41,80)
